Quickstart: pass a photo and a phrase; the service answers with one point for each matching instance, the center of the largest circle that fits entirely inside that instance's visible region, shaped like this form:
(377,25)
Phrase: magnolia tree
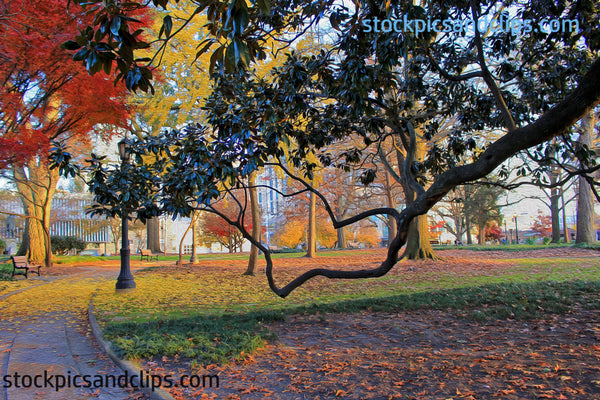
(434,95)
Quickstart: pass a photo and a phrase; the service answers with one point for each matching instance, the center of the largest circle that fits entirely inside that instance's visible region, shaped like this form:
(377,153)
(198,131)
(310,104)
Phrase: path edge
(125,365)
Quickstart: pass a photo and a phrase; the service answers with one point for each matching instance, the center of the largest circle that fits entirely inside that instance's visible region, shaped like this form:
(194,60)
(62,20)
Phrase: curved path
(44,332)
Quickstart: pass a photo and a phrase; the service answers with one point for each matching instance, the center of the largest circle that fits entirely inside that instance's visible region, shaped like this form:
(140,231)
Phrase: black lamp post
(516,229)
(125,280)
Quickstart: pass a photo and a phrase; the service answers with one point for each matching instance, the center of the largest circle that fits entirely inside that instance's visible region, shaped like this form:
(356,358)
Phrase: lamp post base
(125,285)
(125,282)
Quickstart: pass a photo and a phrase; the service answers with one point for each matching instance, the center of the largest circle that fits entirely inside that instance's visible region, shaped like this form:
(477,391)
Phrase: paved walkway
(47,342)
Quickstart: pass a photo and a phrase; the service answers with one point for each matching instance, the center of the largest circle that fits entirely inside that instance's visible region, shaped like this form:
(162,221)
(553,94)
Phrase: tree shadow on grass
(228,337)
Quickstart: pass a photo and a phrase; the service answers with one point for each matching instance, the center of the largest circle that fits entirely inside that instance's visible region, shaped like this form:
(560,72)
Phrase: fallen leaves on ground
(416,355)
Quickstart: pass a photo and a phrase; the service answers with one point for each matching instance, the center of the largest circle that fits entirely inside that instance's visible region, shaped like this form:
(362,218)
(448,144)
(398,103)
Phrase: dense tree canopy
(46,96)
(452,101)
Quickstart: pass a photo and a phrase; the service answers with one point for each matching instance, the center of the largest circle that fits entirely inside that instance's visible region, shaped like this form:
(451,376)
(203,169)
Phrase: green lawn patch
(217,316)
(221,338)
(510,247)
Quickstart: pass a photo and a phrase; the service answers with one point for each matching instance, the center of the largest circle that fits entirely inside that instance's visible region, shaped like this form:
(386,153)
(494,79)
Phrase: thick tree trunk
(417,243)
(481,235)
(311,240)
(255,210)
(341,238)
(392,227)
(555,214)
(567,239)
(153,235)
(468,228)
(585,201)
(36,185)
(458,223)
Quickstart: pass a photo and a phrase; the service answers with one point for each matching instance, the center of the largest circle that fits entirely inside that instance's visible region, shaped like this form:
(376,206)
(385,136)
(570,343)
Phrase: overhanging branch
(549,125)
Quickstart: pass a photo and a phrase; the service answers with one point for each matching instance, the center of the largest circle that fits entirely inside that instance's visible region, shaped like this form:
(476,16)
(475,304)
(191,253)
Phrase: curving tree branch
(551,124)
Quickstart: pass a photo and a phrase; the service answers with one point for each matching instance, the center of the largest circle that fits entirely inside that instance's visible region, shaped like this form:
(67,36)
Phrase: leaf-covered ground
(422,354)
(494,324)
(415,355)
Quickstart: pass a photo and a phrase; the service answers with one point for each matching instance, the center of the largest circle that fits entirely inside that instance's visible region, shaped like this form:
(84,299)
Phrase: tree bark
(36,185)
(392,226)
(555,214)
(341,238)
(468,229)
(311,240)
(481,235)
(194,217)
(153,235)
(567,239)
(585,201)
(418,245)
(255,210)
(193,258)
(458,223)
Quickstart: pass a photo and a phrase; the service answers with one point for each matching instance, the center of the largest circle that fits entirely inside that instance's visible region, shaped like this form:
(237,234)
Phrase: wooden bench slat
(21,262)
(148,254)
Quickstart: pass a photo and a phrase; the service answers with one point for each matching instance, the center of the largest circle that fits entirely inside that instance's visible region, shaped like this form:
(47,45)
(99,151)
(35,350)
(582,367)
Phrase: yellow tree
(182,86)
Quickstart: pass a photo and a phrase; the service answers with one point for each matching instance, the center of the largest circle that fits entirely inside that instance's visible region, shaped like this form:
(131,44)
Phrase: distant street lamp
(125,280)
(516,229)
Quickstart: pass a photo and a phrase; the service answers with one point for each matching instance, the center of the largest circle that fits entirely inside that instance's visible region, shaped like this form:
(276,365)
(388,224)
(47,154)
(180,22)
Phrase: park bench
(21,263)
(148,254)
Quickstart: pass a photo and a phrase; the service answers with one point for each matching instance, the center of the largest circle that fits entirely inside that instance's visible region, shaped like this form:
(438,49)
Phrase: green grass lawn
(516,247)
(216,314)
(5,268)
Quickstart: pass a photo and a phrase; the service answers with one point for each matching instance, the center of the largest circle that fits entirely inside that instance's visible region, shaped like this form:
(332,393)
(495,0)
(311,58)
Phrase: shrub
(61,245)
(547,240)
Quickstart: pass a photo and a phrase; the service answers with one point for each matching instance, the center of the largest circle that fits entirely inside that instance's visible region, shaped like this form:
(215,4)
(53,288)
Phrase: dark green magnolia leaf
(167,25)
(216,57)
(115,25)
(70,45)
(81,55)
(107,65)
(240,21)
(205,46)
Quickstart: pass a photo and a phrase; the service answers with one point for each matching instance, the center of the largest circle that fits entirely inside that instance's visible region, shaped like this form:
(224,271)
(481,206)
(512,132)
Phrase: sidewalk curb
(130,367)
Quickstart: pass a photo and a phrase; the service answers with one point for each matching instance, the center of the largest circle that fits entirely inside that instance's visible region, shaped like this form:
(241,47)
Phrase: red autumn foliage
(542,225)
(493,232)
(214,228)
(44,94)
